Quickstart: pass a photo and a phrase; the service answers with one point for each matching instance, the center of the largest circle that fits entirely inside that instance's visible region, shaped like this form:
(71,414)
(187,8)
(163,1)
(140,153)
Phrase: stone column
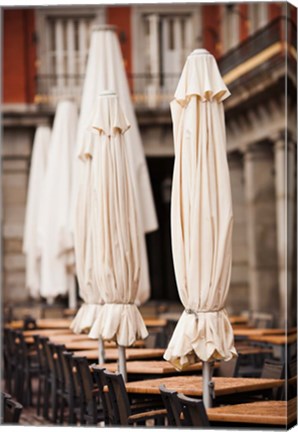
(284,158)
(59,53)
(71,53)
(238,293)
(261,228)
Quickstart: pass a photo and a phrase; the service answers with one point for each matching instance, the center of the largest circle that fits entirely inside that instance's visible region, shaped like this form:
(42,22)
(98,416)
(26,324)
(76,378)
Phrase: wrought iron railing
(155,91)
(281,29)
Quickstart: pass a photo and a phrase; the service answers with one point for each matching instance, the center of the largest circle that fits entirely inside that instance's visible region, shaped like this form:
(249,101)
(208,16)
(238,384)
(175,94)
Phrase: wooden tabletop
(253,350)
(275,339)
(76,345)
(44,323)
(238,319)
(82,341)
(263,412)
(155,322)
(131,353)
(152,367)
(193,385)
(258,331)
(47,332)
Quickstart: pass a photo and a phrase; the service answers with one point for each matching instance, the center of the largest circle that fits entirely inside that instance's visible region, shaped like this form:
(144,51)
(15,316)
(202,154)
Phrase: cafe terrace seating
(63,387)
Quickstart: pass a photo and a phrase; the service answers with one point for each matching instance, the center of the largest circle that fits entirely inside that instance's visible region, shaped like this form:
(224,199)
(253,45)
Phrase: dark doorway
(162,277)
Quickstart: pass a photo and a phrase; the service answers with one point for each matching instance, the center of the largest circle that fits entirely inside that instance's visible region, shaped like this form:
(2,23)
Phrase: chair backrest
(66,367)
(49,356)
(172,405)
(101,382)
(4,397)
(228,368)
(29,323)
(43,358)
(273,369)
(262,320)
(75,377)
(276,370)
(57,363)
(85,378)
(193,411)
(12,411)
(118,398)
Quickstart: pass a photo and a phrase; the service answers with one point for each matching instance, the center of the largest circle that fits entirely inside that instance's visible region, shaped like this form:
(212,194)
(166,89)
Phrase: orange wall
(243,21)
(275,10)
(19,56)
(120,16)
(211,28)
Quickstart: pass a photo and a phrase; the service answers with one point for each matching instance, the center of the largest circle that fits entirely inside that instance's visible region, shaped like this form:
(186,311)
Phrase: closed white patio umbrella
(201,217)
(105,70)
(114,226)
(31,246)
(57,259)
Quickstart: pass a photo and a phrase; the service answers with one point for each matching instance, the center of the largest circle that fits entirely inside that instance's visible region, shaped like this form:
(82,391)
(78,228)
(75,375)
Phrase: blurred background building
(44,56)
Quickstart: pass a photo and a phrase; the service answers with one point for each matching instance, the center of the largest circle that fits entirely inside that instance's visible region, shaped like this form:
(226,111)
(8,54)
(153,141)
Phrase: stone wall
(16,151)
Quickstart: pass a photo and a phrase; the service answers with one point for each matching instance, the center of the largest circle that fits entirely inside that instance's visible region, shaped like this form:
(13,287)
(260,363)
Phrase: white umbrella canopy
(90,309)
(105,70)
(31,246)
(57,261)
(114,224)
(201,215)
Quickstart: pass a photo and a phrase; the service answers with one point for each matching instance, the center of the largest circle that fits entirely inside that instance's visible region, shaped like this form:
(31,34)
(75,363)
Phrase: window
(258,16)
(69,40)
(62,50)
(163,36)
(230,26)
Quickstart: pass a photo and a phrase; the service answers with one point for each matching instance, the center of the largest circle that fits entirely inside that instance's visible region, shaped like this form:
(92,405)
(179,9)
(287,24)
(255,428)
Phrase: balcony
(149,92)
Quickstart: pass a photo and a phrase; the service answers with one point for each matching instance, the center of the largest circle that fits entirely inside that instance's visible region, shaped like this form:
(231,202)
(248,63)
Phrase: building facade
(255,45)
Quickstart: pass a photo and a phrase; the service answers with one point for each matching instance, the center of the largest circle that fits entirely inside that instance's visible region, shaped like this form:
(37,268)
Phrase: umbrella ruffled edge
(122,323)
(210,87)
(85,317)
(193,340)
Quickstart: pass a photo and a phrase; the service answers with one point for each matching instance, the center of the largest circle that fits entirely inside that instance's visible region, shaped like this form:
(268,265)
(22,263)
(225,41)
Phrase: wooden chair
(172,405)
(276,370)
(43,372)
(93,412)
(12,411)
(228,368)
(123,413)
(194,412)
(11,350)
(27,369)
(4,397)
(59,375)
(8,361)
(101,382)
(70,395)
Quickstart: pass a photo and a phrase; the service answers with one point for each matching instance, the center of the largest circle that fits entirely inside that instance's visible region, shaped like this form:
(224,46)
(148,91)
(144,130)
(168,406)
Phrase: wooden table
(44,323)
(131,353)
(73,341)
(144,367)
(253,350)
(263,412)
(47,332)
(238,319)
(275,339)
(193,385)
(251,332)
(76,345)
(155,322)
(283,343)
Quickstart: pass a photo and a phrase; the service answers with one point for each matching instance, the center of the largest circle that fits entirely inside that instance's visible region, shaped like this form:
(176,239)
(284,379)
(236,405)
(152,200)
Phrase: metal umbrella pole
(101,351)
(122,362)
